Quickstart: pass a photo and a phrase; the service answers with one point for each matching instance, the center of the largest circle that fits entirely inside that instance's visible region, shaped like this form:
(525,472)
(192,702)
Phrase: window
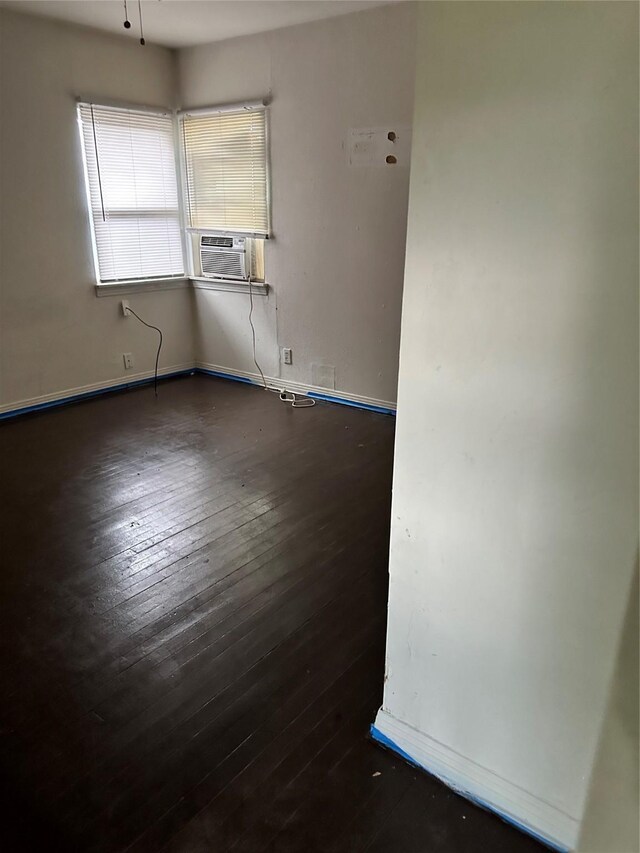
(138,210)
(133,192)
(225,154)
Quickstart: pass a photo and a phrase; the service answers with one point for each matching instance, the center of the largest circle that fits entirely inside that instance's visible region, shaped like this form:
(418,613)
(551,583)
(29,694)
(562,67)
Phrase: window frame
(258,105)
(162,281)
(189,231)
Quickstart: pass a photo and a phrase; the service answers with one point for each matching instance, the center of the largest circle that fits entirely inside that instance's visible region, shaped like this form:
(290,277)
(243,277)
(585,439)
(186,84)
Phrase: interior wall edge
(481,785)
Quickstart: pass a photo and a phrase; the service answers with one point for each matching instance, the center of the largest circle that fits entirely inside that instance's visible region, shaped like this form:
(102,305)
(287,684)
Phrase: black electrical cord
(298,401)
(253,335)
(159,331)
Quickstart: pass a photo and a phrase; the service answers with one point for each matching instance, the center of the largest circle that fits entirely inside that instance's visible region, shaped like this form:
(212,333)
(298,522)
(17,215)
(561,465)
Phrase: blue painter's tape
(220,375)
(87,395)
(385,741)
(382,410)
(382,739)
(317,395)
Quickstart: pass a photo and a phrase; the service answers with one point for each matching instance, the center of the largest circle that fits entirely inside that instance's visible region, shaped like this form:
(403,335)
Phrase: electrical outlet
(287,355)
(127,357)
(125,308)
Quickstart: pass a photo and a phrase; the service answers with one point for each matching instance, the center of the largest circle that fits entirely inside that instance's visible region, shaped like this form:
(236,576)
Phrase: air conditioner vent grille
(223,264)
(218,242)
(224,257)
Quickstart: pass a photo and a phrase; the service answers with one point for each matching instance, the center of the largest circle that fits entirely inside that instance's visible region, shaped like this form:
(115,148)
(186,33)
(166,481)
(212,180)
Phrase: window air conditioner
(224,257)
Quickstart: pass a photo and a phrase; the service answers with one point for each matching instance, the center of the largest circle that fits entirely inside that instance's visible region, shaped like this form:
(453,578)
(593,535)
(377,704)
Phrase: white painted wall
(515,509)
(612,820)
(336,261)
(335,266)
(55,335)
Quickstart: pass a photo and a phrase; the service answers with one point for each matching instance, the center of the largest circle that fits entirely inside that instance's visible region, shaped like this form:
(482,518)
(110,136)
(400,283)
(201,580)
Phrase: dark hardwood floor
(192,632)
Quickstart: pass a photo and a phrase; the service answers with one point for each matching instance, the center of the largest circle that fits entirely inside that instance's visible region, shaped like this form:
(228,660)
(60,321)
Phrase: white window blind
(225,156)
(133,192)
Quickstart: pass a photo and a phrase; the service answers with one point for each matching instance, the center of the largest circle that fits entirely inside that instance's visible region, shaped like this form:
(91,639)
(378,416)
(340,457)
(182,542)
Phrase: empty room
(319,426)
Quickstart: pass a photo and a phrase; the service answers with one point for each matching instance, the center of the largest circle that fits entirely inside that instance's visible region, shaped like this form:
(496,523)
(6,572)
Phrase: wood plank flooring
(192,612)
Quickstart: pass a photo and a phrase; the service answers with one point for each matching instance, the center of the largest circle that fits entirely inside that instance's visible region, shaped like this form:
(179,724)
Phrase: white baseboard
(78,392)
(528,812)
(70,394)
(300,388)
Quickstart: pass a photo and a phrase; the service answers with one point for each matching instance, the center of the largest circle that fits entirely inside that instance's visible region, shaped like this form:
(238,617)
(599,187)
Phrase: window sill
(124,288)
(121,288)
(257,288)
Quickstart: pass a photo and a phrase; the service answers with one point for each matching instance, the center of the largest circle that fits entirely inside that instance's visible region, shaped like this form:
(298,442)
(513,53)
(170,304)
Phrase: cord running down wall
(150,326)
(298,401)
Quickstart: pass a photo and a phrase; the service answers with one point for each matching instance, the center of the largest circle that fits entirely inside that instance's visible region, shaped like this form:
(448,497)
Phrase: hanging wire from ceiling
(127,22)
(140,16)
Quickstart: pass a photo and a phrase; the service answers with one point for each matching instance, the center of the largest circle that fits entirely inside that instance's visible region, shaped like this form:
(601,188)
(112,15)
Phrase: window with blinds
(225,158)
(133,192)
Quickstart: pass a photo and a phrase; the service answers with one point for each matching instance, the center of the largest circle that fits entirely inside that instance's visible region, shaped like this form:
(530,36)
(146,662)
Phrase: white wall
(335,266)
(55,335)
(336,262)
(515,509)
(612,822)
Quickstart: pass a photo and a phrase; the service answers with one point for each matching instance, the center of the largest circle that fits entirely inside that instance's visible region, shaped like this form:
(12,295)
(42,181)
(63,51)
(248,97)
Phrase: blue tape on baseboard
(385,741)
(219,374)
(317,395)
(87,395)
(371,407)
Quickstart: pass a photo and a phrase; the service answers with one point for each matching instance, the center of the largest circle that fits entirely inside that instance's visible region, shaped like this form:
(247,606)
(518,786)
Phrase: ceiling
(180,23)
